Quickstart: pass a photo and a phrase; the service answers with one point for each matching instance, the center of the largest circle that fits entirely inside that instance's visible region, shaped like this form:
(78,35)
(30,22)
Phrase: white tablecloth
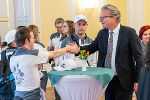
(79,87)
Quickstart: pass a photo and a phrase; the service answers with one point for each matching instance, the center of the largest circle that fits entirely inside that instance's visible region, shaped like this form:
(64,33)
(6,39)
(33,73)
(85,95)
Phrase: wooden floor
(50,94)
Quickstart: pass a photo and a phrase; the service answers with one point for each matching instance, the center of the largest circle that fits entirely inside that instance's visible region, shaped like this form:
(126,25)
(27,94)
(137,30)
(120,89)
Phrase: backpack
(2,68)
(5,63)
(7,86)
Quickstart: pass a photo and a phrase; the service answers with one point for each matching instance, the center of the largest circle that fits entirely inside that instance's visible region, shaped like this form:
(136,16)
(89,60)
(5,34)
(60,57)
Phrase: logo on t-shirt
(18,75)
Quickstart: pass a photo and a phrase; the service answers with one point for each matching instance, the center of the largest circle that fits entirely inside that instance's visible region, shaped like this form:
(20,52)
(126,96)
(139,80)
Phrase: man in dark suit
(120,49)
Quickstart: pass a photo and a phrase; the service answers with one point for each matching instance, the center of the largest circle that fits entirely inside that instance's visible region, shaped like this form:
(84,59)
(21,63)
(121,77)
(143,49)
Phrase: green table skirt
(104,75)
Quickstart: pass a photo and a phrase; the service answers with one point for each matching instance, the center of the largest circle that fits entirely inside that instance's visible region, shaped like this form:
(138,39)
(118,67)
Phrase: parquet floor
(50,93)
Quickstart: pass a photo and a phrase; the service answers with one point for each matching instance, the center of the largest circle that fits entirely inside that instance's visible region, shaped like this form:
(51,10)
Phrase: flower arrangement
(83,54)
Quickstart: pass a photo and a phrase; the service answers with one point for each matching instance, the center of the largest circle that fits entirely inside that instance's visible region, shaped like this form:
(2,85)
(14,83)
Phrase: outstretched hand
(72,48)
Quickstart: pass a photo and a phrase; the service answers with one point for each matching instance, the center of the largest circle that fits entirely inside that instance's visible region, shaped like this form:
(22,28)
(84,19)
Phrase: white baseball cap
(66,64)
(10,36)
(80,17)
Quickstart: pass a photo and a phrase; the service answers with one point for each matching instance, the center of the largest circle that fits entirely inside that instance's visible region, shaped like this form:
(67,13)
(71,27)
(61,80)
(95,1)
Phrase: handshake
(72,48)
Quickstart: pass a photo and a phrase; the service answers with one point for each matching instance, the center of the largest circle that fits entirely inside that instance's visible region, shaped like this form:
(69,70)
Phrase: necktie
(109,51)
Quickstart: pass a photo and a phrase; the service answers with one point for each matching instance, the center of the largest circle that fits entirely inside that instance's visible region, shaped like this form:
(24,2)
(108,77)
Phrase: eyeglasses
(103,17)
(64,26)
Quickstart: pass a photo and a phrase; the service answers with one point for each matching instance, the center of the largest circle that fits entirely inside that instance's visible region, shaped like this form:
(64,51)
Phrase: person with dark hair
(143,92)
(40,46)
(55,37)
(3,44)
(120,49)
(26,61)
(53,45)
(7,85)
(67,28)
(20,27)
(35,30)
(144,35)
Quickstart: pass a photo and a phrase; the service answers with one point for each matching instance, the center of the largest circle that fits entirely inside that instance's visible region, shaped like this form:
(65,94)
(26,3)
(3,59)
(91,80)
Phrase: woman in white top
(40,46)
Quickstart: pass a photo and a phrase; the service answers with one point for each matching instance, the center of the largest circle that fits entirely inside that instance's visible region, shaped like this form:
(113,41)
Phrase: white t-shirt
(40,47)
(54,41)
(24,66)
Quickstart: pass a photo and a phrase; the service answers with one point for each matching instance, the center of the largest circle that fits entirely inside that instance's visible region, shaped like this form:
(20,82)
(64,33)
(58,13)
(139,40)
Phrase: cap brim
(79,20)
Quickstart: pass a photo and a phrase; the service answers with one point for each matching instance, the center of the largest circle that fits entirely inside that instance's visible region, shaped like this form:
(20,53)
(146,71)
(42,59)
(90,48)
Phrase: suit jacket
(128,60)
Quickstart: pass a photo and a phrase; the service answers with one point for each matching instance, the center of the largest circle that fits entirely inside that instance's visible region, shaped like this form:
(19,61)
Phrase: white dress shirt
(115,39)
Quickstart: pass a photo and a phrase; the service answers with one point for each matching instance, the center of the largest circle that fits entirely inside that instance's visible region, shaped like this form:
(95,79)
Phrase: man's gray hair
(113,11)
(59,20)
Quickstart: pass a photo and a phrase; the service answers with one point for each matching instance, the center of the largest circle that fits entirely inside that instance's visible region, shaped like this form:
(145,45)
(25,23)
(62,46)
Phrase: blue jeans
(28,95)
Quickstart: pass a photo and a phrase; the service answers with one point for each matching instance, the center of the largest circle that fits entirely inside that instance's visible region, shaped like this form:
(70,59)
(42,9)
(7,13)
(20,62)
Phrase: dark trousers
(57,97)
(44,80)
(115,91)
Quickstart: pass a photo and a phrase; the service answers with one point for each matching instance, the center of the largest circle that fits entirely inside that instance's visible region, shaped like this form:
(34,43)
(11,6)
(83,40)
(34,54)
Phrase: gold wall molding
(7,22)
(3,16)
(3,20)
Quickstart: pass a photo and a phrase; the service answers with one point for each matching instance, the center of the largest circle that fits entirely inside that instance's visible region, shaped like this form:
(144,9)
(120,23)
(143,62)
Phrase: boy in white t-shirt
(25,62)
